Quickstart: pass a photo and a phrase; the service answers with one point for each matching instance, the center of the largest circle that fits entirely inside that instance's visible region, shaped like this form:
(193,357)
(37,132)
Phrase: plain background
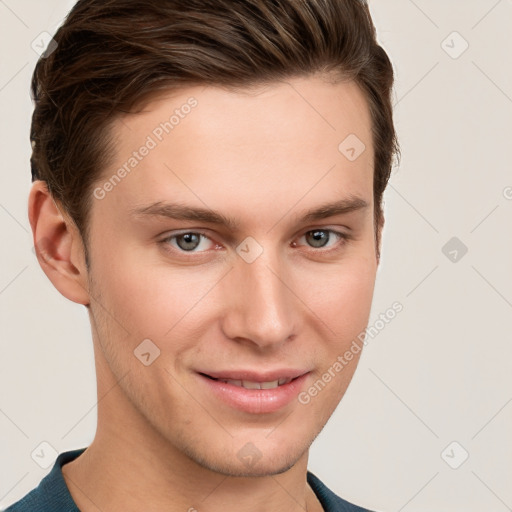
(439,372)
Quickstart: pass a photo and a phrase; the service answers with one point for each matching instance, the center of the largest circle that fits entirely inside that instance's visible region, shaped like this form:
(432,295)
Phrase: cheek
(341,294)
(341,302)
(147,296)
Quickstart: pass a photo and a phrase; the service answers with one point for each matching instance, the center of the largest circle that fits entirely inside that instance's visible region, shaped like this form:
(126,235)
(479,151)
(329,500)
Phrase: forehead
(259,147)
(275,113)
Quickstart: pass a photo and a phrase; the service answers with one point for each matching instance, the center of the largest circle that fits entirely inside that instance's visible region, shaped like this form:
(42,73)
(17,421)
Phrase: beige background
(438,373)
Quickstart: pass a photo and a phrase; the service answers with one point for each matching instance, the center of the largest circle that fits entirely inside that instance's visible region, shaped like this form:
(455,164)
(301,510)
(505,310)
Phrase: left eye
(319,238)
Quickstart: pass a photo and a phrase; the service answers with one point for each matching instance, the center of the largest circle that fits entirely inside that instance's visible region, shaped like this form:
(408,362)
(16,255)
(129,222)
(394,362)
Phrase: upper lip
(254,376)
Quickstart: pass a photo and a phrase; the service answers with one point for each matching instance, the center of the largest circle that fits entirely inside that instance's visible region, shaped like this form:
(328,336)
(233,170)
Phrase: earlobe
(57,245)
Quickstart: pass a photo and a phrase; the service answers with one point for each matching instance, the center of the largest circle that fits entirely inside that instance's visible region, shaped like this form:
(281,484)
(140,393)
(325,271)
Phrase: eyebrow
(179,211)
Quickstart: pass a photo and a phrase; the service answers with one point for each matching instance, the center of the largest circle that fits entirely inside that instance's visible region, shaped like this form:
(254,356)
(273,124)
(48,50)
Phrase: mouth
(254,392)
(251,384)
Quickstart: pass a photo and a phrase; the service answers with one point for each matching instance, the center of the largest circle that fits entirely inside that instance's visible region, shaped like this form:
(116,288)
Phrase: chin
(248,460)
(259,469)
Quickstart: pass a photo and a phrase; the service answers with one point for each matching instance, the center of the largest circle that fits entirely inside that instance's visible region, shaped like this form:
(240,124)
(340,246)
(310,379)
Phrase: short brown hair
(112,55)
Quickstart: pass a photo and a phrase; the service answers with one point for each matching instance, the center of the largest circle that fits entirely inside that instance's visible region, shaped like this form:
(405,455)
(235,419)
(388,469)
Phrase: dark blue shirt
(52,494)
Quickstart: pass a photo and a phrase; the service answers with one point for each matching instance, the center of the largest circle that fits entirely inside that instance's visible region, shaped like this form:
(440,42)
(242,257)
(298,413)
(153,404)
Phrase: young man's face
(272,293)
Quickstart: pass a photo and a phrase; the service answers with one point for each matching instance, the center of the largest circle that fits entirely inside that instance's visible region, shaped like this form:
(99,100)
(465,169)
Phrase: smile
(254,396)
(247,384)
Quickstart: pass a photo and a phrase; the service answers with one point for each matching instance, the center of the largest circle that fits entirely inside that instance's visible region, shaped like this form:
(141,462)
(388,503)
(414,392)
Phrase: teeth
(247,384)
(270,385)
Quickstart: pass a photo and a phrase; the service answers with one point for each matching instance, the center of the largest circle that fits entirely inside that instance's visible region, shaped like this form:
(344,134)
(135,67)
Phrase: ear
(58,245)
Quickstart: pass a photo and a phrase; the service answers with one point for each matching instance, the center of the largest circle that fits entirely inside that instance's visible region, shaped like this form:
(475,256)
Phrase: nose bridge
(261,307)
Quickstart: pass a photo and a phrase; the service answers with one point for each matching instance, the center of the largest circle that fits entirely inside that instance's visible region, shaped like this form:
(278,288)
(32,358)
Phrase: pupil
(320,236)
(191,241)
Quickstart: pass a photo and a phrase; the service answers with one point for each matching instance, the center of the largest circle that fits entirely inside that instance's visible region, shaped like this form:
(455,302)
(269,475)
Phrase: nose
(260,308)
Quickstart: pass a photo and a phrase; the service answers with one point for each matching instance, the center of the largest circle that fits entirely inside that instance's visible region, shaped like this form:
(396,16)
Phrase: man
(208,180)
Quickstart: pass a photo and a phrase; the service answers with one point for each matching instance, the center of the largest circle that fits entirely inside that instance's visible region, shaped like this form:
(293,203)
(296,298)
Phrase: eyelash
(343,239)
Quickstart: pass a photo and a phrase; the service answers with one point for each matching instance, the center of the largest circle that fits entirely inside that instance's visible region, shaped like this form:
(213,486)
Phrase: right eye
(186,242)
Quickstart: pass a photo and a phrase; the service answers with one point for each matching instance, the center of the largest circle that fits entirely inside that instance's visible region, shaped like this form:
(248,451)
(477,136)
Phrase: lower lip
(255,401)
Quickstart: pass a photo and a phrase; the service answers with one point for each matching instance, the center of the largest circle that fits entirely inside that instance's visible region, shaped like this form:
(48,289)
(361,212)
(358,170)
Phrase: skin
(262,156)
